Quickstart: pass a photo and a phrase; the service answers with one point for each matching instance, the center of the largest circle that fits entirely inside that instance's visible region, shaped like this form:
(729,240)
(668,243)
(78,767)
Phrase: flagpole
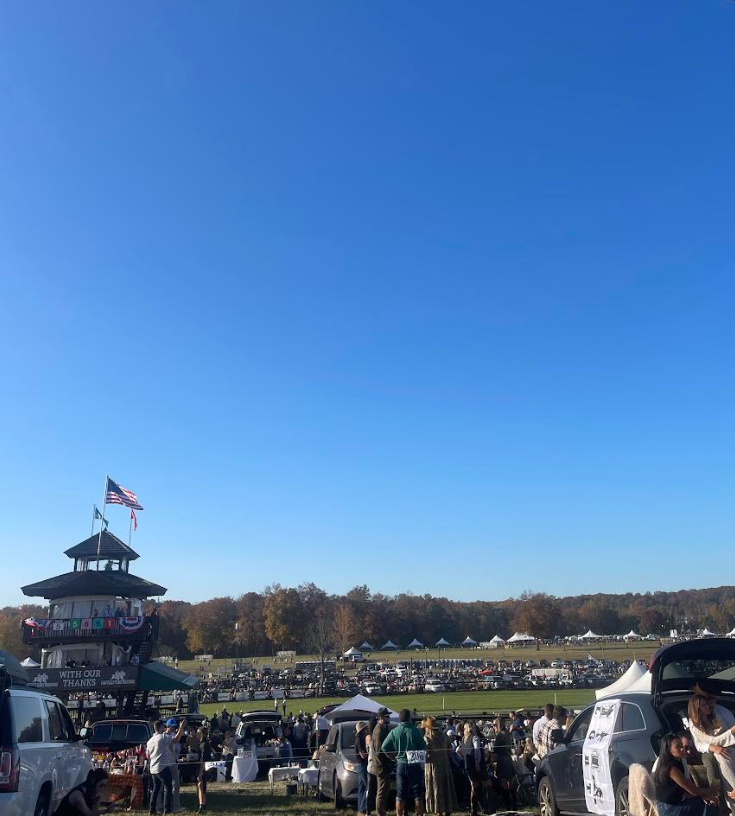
(130,528)
(104,499)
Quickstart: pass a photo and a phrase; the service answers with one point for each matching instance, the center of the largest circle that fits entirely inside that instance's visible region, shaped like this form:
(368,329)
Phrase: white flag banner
(599,792)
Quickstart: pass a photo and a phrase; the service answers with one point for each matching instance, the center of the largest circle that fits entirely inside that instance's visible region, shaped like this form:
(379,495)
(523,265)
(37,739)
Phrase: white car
(41,756)
(435,685)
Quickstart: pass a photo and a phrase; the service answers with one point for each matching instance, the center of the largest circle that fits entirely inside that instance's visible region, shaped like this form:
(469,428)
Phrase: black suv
(643,719)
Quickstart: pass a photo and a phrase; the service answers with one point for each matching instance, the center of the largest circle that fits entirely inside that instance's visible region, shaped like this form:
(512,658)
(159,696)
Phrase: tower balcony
(50,631)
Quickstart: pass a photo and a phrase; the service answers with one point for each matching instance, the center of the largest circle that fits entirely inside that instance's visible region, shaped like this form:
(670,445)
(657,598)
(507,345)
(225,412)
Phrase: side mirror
(558,735)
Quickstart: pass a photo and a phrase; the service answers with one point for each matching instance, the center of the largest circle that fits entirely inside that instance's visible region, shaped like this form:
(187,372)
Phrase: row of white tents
(442,643)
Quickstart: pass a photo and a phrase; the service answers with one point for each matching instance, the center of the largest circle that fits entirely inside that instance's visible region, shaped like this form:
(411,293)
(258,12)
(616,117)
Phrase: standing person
(441,796)
(380,762)
(159,751)
(675,794)
(475,764)
(545,739)
(206,756)
(361,750)
(541,722)
(372,788)
(171,726)
(504,770)
(406,745)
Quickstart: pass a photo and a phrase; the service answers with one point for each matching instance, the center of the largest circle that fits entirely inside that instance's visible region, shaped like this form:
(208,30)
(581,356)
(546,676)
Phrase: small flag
(32,622)
(99,517)
(134,518)
(119,495)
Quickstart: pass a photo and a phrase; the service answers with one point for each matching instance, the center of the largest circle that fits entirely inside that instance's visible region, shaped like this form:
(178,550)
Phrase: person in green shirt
(405,744)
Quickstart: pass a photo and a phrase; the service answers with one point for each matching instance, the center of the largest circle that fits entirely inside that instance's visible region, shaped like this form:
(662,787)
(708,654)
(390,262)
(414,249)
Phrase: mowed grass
(254,798)
(620,652)
(461,702)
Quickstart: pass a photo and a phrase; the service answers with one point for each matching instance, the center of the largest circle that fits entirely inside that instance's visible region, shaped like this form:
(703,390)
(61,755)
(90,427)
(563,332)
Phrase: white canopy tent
(706,633)
(497,640)
(366,647)
(352,651)
(441,642)
(623,683)
(731,633)
(415,644)
(30,663)
(469,642)
(520,637)
(632,636)
(389,645)
(590,635)
(361,703)
(642,684)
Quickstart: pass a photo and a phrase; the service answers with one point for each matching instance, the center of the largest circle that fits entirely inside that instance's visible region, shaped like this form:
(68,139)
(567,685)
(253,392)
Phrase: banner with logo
(85,679)
(599,792)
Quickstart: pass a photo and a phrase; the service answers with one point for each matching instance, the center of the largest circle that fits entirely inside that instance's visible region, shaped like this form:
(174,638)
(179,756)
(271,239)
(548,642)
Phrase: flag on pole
(134,519)
(99,517)
(119,495)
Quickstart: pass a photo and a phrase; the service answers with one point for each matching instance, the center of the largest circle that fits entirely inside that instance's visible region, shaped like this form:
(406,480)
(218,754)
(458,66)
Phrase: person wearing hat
(160,754)
(379,764)
(441,796)
(361,750)
(406,744)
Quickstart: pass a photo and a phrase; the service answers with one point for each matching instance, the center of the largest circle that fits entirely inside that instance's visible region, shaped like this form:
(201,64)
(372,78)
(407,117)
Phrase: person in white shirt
(713,729)
(161,756)
(541,722)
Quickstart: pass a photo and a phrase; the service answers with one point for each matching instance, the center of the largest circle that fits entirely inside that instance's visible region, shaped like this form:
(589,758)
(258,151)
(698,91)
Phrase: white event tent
(468,642)
(590,635)
(706,633)
(441,642)
(415,644)
(366,647)
(361,703)
(30,663)
(520,637)
(623,683)
(731,633)
(389,645)
(497,640)
(632,636)
(351,651)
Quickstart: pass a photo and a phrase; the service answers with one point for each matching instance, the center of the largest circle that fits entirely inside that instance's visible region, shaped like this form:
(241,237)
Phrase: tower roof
(110,547)
(94,582)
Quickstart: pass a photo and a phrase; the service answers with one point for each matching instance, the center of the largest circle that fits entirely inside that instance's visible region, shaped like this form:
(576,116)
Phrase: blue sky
(430,297)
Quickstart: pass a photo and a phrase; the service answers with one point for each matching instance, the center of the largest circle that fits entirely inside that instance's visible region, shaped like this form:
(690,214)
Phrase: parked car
(116,735)
(41,756)
(338,763)
(644,717)
(260,730)
(435,686)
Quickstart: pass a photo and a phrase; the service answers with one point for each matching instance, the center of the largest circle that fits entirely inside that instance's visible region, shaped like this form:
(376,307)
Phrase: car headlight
(350,766)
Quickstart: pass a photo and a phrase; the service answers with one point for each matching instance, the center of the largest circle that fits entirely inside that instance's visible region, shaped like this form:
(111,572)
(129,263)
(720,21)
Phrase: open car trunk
(679,669)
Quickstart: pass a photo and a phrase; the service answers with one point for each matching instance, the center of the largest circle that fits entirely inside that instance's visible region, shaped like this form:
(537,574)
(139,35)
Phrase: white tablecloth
(244,769)
(308,777)
(282,774)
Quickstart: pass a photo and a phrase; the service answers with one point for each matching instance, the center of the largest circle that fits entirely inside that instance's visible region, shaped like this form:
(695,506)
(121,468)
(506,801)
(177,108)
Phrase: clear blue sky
(429,296)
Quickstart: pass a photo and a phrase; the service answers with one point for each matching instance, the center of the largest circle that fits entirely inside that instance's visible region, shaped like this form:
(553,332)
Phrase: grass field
(617,651)
(469,702)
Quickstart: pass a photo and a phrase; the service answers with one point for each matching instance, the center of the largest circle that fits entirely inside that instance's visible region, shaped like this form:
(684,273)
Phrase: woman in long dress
(440,794)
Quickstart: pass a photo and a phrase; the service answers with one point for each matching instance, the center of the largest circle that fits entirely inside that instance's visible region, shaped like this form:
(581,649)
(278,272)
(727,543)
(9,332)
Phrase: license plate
(415,757)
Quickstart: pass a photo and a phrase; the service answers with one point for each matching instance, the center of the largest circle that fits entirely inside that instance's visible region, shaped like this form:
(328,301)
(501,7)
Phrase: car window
(67,724)
(55,726)
(630,718)
(332,737)
(27,719)
(137,732)
(101,732)
(578,729)
(119,732)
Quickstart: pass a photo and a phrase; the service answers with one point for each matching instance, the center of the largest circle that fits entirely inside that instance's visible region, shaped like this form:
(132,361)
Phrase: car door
(566,765)
(36,754)
(328,761)
(62,750)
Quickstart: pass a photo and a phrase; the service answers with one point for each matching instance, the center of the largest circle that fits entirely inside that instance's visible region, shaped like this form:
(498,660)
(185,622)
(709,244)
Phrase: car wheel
(622,807)
(546,801)
(339,802)
(41,806)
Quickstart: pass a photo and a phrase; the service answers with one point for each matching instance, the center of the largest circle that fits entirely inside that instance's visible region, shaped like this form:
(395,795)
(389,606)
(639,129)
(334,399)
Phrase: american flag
(119,495)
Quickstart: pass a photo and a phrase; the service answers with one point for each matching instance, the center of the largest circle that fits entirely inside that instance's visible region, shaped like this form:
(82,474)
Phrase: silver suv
(41,756)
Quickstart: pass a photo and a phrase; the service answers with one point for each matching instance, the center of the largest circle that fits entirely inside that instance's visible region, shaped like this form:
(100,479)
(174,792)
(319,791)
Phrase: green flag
(100,517)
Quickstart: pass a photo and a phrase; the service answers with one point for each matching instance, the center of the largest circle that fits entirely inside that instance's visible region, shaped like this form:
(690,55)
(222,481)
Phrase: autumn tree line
(311,621)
